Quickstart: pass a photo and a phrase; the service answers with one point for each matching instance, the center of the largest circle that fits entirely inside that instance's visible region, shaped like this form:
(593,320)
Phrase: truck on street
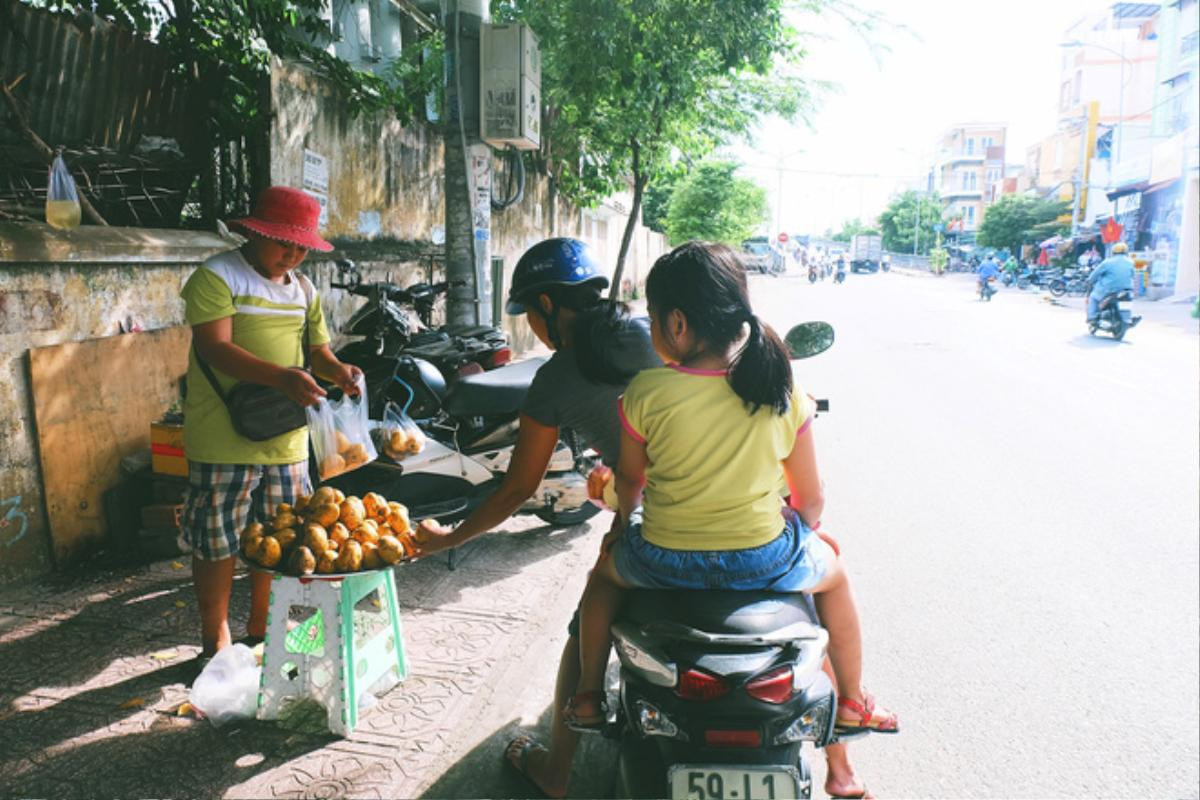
(866,252)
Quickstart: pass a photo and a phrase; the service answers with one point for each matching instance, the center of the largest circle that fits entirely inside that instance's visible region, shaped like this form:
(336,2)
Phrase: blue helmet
(553,262)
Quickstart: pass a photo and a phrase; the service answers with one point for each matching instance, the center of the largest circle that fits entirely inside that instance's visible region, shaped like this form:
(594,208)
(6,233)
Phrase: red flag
(1111,231)
(1044,258)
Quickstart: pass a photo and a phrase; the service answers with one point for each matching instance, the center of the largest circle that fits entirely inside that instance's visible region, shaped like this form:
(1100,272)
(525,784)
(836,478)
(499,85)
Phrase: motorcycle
(386,332)
(986,290)
(719,690)
(839,275)
(1112,318)
(812,273)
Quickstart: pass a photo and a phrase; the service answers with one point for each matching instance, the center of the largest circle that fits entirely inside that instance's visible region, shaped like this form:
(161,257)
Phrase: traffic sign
(782,238)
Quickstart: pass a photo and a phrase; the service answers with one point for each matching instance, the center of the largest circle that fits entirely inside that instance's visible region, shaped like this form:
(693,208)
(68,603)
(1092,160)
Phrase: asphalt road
(1018,505)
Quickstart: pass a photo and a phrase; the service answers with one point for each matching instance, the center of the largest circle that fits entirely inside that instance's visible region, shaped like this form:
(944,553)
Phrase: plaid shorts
(222,499)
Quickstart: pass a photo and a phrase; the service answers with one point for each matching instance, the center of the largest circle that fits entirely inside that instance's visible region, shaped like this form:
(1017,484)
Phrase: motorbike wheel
(1118,330)
(1092,328)
(1057,287)
(812,277)
(565,519)
(1024,283)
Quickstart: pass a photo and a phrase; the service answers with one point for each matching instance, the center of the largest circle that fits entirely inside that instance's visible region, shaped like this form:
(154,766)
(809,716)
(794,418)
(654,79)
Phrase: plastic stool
(320,658)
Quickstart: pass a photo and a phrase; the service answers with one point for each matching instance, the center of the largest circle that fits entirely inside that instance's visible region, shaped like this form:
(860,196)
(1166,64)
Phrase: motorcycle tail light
(501,357)
(772,687)
(720,738)
(654,722)
(470,368)
(697,685)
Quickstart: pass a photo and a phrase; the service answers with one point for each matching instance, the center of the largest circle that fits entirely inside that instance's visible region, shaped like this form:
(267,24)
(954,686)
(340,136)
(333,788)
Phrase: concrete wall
(58,287)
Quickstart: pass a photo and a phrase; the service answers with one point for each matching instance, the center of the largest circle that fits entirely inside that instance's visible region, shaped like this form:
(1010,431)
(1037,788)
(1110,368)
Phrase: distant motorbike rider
(1114,274)
(989,270)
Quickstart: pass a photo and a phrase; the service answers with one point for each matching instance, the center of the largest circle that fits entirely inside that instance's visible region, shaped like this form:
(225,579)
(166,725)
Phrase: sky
(929,65)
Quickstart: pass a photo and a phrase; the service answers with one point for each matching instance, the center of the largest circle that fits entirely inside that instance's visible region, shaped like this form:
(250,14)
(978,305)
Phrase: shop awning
(1133,188)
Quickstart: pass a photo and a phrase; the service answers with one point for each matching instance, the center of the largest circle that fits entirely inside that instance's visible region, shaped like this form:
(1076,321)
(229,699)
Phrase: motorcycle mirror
(809,338)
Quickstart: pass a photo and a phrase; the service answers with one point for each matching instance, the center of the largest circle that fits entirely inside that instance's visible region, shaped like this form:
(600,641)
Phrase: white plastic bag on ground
(227,689)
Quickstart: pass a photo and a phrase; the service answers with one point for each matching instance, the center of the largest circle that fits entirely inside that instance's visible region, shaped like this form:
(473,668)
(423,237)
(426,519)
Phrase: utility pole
(917,225)
(467,163)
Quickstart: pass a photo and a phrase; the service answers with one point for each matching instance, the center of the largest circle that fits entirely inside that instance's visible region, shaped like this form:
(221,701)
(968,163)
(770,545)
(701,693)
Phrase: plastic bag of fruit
(398,436)
(340,432)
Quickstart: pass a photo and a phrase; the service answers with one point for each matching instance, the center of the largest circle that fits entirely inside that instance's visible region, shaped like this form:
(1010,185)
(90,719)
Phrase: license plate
(699,782)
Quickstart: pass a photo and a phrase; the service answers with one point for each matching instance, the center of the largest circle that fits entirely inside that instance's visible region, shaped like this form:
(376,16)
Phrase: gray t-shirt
(561,397)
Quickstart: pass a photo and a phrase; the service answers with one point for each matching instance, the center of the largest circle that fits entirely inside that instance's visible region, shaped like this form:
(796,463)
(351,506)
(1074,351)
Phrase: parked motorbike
(1112,318)
(719,690)
(387,331)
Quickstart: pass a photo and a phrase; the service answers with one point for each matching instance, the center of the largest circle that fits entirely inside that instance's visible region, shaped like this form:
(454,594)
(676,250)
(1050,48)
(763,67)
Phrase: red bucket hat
(287,215)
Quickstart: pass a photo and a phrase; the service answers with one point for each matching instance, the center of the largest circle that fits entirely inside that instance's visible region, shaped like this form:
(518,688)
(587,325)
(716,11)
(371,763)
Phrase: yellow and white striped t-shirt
(268,321)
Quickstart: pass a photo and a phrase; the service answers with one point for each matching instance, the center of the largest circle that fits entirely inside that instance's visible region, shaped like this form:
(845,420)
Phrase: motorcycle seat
(700,614)
(492,393)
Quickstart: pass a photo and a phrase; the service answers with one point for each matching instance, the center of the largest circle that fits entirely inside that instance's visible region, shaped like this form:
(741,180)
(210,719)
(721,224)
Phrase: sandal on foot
(865,711)
(592,723)
(865,794)
(516,756)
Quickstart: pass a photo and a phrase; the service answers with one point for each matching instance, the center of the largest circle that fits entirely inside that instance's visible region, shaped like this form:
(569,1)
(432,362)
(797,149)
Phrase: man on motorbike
(1114,274)
(989,270)
(1012,268)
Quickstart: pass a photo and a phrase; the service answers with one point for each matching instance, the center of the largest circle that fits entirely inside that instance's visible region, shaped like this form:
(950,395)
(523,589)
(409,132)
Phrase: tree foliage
(223,48)
(852,228)
(713,204)
(1015,220)
(658,199)
(630,83)
(898,222)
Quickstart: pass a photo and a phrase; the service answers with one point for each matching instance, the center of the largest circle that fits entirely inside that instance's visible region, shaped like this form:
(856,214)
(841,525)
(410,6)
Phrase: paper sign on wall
(316,172)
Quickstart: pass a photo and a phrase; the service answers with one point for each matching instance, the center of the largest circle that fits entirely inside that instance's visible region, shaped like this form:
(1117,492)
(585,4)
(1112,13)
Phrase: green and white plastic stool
(321,658)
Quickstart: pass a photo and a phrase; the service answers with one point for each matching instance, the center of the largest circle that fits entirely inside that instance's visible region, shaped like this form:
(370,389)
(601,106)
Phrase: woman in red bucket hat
(255,320)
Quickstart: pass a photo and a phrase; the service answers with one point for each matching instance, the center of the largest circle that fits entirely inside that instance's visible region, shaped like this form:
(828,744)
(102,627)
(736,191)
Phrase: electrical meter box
(510,87)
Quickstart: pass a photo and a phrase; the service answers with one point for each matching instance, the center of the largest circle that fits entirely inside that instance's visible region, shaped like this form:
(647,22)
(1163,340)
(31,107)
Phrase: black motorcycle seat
(720,612)
(492,393)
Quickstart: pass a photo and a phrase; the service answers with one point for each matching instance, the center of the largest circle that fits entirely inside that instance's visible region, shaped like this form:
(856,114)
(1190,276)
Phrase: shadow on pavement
(1088,342)
(483,772)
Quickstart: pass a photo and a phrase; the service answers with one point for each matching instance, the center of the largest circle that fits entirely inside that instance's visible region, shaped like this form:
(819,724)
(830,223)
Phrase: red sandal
(864,711)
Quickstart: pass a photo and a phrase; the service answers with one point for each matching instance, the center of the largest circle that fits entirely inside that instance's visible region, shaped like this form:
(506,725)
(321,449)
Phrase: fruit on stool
(325,515)
(390,549)
(371,558)
(301,504)
(327,563)
(397,518)
(284,508)
(352,513)
(287,538)
(316,539)
(366,534)
(338,535)
(269,551)
(254,529)
(349,558)
(302,562)
(374,506)
(326,494)
(285,519)
(339,496)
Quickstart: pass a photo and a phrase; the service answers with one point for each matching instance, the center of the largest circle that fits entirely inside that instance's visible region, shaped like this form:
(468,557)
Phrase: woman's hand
(346,376)
(432,537)
(299,386)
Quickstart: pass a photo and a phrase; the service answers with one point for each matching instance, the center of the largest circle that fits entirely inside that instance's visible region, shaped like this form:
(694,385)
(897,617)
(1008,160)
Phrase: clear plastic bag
(227,689)
(62,198)
(341,433)
(398,436)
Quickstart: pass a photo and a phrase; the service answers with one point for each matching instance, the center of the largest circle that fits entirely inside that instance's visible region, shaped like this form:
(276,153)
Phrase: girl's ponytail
(761,372)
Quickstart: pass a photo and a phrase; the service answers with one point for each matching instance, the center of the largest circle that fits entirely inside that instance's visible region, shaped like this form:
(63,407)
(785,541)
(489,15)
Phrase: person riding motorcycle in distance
(989,270)
(1113,274)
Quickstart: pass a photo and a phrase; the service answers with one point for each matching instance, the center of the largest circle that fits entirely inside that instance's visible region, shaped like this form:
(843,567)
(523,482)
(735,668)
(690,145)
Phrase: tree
(852,228)
(658,198)
(1015,219)
(630,83)
(898,222)
(715,205)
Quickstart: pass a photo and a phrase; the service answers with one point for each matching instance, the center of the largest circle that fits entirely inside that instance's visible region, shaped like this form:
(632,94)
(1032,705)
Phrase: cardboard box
(162,516)
(166,449)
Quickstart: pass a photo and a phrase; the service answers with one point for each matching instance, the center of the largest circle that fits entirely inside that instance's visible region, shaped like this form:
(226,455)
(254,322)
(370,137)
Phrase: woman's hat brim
(282,232)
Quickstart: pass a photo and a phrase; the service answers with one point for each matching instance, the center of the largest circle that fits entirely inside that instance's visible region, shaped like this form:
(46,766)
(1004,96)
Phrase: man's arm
(531,455)
(214,342)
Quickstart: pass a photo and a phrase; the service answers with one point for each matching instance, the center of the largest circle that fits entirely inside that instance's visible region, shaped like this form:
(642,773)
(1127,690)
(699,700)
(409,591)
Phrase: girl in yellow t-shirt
(711,443)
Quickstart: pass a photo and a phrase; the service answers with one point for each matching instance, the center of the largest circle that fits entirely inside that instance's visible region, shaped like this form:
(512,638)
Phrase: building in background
(968,167)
